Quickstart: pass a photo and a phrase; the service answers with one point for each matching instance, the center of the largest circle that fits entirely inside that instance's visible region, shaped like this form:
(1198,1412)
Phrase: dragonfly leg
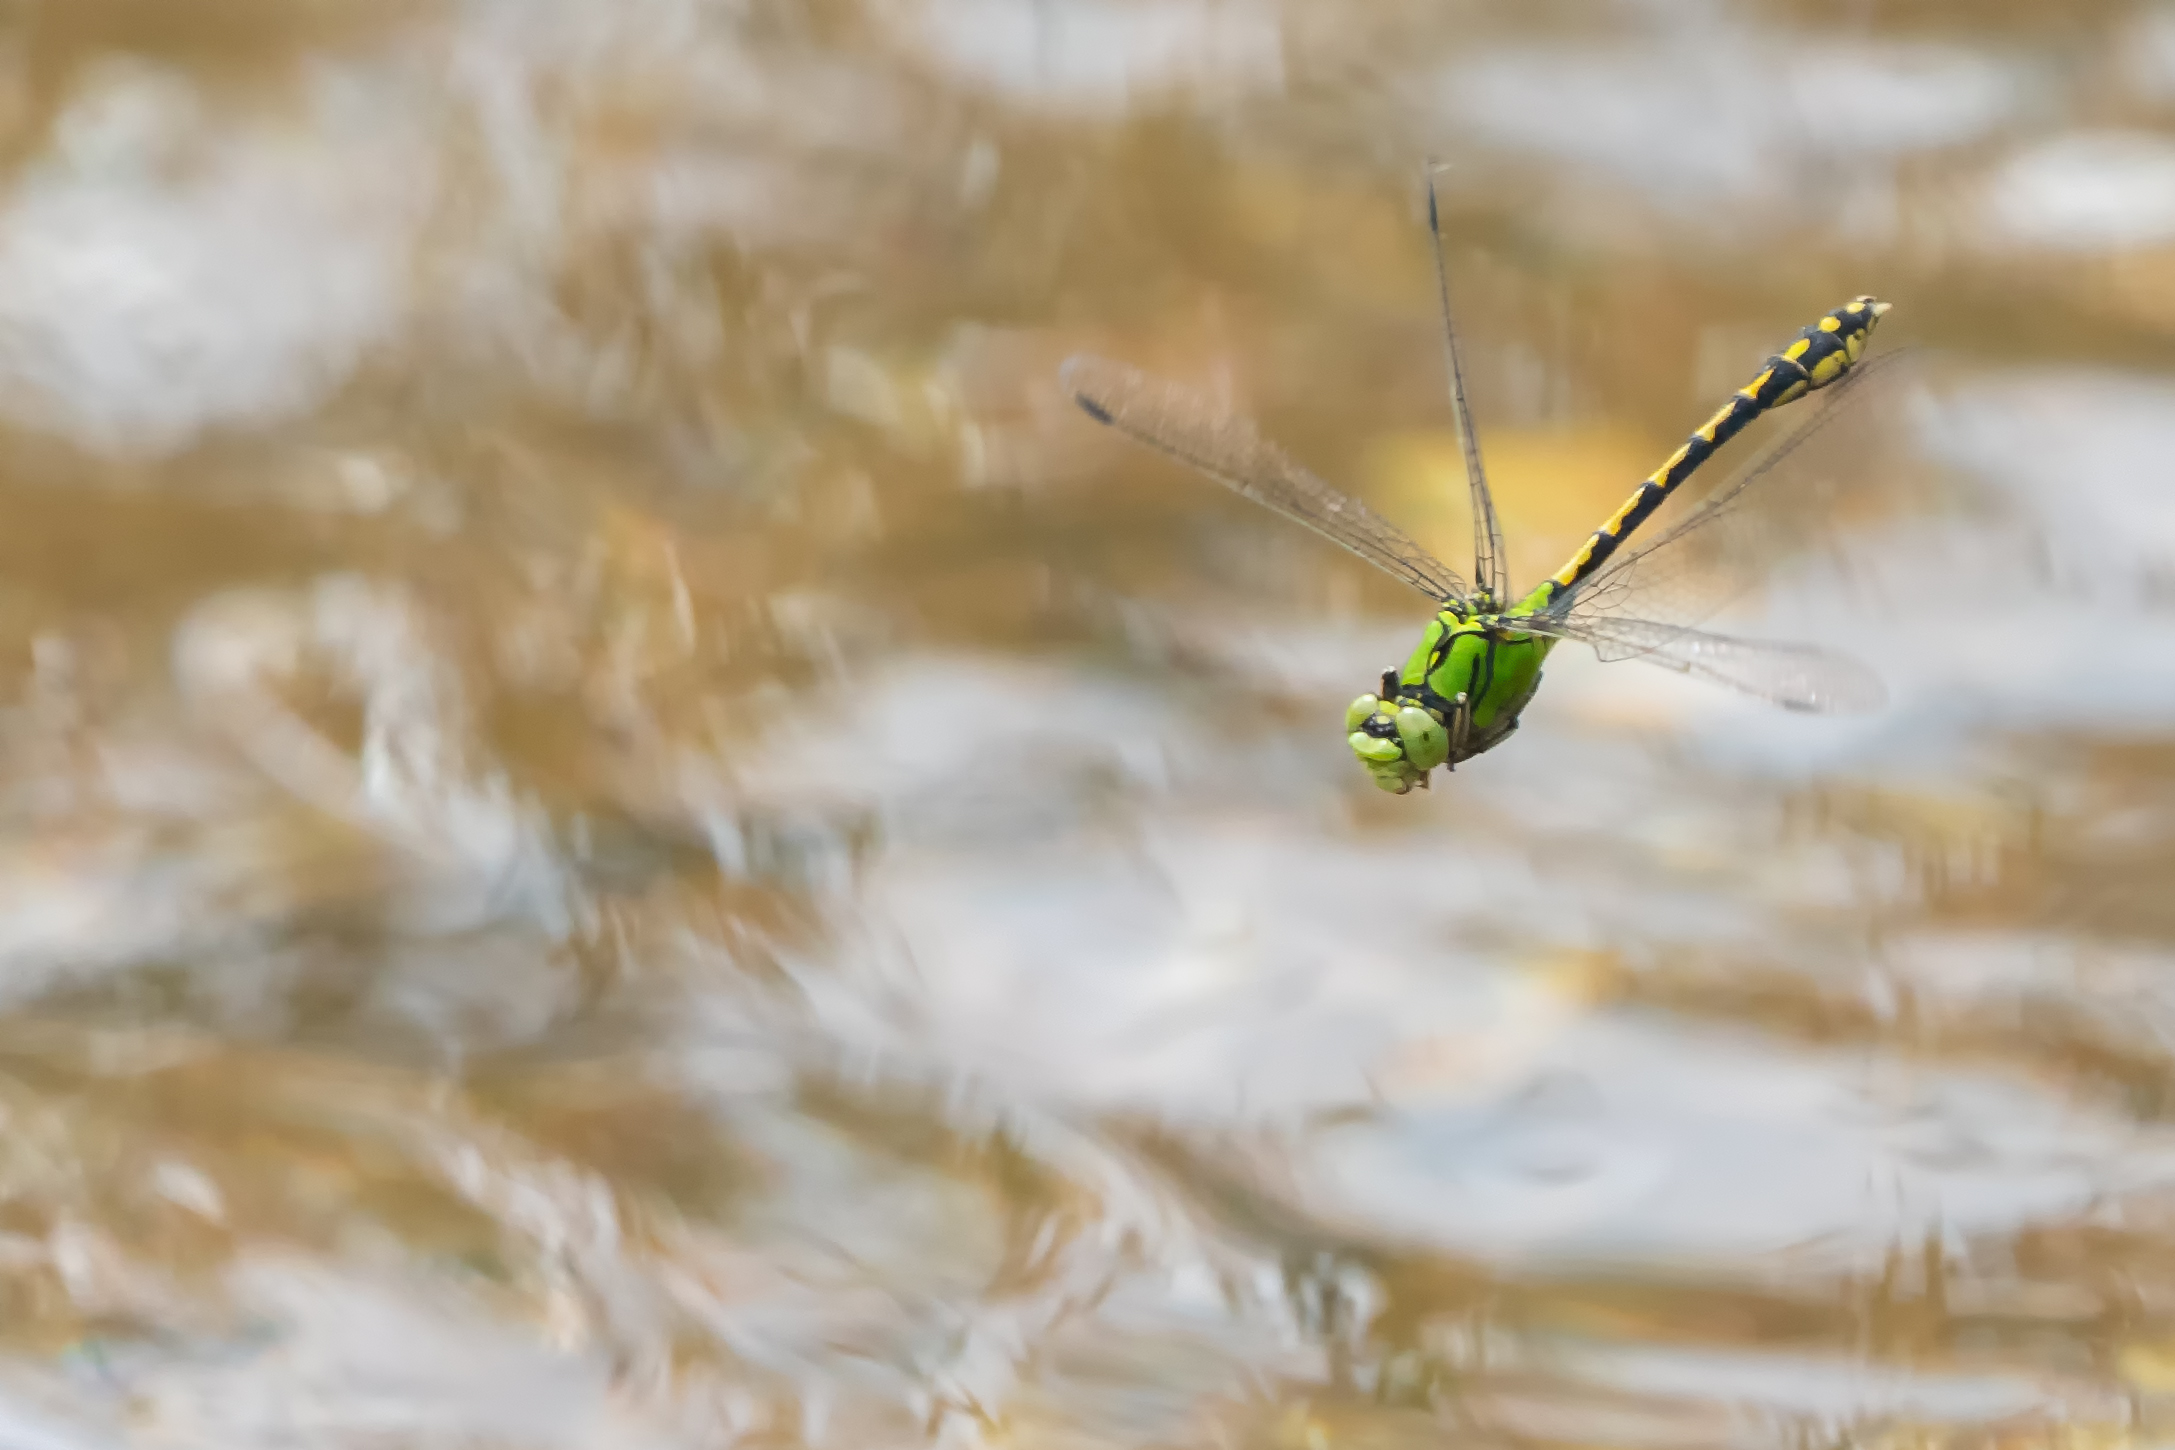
(1461,726)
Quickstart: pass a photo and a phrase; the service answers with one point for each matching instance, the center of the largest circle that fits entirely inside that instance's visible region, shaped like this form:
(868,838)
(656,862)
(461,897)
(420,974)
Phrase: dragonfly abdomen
(1821,354)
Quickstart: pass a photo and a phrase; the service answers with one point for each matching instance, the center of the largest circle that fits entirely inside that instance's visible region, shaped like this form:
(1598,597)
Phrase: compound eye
(1426,740)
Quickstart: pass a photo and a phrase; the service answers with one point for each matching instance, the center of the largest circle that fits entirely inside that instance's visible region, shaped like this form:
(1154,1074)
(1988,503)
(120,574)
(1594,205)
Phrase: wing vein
(1796,676)
(1489,575)
(1227,447)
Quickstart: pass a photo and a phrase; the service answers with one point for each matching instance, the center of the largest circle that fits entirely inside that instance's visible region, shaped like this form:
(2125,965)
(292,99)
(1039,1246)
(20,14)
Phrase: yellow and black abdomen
(1820,355)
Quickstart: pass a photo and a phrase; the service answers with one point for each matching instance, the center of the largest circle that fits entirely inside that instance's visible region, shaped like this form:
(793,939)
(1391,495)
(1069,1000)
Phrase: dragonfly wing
(1728,543)
(1228,448)
(1794,676)
(1489,574)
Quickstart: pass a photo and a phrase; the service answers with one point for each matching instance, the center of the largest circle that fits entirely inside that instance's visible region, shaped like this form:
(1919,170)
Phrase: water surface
(618,829)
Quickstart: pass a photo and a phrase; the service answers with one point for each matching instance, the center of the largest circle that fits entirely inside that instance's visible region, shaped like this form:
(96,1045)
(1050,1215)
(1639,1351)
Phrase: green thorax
(1459,694)
(1484,658)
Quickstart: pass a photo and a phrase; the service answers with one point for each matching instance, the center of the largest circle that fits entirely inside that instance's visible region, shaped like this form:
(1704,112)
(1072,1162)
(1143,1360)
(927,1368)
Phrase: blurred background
(619,829)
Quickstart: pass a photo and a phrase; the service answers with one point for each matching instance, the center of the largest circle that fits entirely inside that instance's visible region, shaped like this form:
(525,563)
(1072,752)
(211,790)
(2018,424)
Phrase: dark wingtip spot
(1068,378)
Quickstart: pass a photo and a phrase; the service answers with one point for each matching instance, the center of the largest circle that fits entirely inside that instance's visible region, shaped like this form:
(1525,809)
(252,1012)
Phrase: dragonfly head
(1398,740)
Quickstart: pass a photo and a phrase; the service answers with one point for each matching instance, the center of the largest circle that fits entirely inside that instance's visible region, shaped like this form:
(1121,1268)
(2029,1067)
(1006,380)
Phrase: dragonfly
(1478,663)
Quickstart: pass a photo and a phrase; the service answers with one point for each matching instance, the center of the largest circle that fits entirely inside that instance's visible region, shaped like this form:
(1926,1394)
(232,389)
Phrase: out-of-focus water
(618,830)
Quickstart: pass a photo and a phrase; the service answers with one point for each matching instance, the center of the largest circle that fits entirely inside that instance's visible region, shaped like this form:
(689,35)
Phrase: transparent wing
(1794,676)
(1785,498)
(1228,448)
(1489,574)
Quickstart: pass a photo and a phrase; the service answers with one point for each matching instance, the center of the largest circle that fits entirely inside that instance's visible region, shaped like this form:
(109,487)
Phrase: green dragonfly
(1479,662)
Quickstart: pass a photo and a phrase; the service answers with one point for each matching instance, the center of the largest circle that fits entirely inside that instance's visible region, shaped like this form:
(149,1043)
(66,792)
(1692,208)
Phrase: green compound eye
(1360,711)
(1375,751)
(1427,741)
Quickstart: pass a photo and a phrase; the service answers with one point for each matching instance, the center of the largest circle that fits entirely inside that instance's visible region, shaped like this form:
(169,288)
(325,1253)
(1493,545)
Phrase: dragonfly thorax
(1459,694)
